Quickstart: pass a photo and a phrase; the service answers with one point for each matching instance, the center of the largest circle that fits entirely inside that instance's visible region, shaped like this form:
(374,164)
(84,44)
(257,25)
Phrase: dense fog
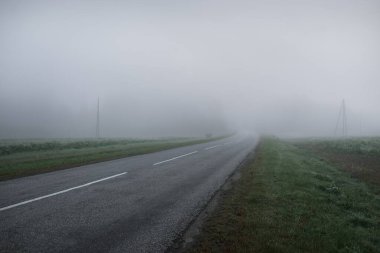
(188,68)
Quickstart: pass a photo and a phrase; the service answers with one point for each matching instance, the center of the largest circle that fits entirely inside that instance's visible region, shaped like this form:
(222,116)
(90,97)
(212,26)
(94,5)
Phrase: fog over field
(187,68)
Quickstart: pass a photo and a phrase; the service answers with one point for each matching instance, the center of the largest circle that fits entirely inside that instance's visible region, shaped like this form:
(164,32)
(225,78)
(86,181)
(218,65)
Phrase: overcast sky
(186,68)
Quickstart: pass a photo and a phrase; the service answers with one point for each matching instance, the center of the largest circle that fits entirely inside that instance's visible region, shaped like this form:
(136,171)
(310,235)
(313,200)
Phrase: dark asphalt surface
(143,210)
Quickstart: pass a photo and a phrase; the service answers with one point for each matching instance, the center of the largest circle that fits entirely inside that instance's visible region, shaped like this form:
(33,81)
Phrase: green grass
(358,156)
(365,146)
(23,158)
(288,200)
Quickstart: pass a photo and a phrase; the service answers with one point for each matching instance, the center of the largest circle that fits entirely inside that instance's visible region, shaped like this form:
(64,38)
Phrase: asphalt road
(135,204)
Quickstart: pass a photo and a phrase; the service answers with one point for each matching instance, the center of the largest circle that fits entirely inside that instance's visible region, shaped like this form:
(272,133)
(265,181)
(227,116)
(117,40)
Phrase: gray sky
(185,68)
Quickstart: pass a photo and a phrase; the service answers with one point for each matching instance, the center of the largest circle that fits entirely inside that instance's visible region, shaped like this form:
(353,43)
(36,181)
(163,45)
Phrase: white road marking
(60,192)
(212,147)
(175,158)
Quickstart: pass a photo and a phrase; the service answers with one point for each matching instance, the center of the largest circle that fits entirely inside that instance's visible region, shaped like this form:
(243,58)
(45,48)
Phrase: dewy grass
(358,156)
(23,159)
(290,201)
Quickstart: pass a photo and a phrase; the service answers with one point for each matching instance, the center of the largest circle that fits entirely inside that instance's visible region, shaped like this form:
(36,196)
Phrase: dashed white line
(212,147)
(60,192)
(175,158)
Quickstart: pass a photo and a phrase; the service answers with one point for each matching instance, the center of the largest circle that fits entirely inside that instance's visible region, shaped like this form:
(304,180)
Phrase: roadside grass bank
(288,200)
(24,158)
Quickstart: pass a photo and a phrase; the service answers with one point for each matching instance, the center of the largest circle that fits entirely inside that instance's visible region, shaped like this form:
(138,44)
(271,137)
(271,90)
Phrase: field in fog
(358,156)
(28,157)
(83,81)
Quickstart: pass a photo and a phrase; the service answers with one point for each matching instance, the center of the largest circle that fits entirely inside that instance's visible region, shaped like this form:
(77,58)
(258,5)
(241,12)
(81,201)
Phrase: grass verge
(289,200)
(29,158)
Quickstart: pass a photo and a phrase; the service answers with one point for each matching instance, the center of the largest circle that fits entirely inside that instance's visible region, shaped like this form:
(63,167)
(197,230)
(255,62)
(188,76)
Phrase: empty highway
(134,204)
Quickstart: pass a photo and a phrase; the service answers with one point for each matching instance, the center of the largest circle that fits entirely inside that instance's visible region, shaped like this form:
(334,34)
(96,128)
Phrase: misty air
(189,126)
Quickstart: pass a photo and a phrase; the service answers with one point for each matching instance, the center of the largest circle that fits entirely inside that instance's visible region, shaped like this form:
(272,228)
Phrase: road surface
(134,204)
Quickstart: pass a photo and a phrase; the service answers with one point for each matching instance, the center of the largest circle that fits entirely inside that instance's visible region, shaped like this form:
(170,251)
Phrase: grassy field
(288,199)
(22,158)
(358,156)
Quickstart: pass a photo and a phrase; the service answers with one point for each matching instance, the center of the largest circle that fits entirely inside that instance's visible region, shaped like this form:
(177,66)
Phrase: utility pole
(342,120)
(98,122)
